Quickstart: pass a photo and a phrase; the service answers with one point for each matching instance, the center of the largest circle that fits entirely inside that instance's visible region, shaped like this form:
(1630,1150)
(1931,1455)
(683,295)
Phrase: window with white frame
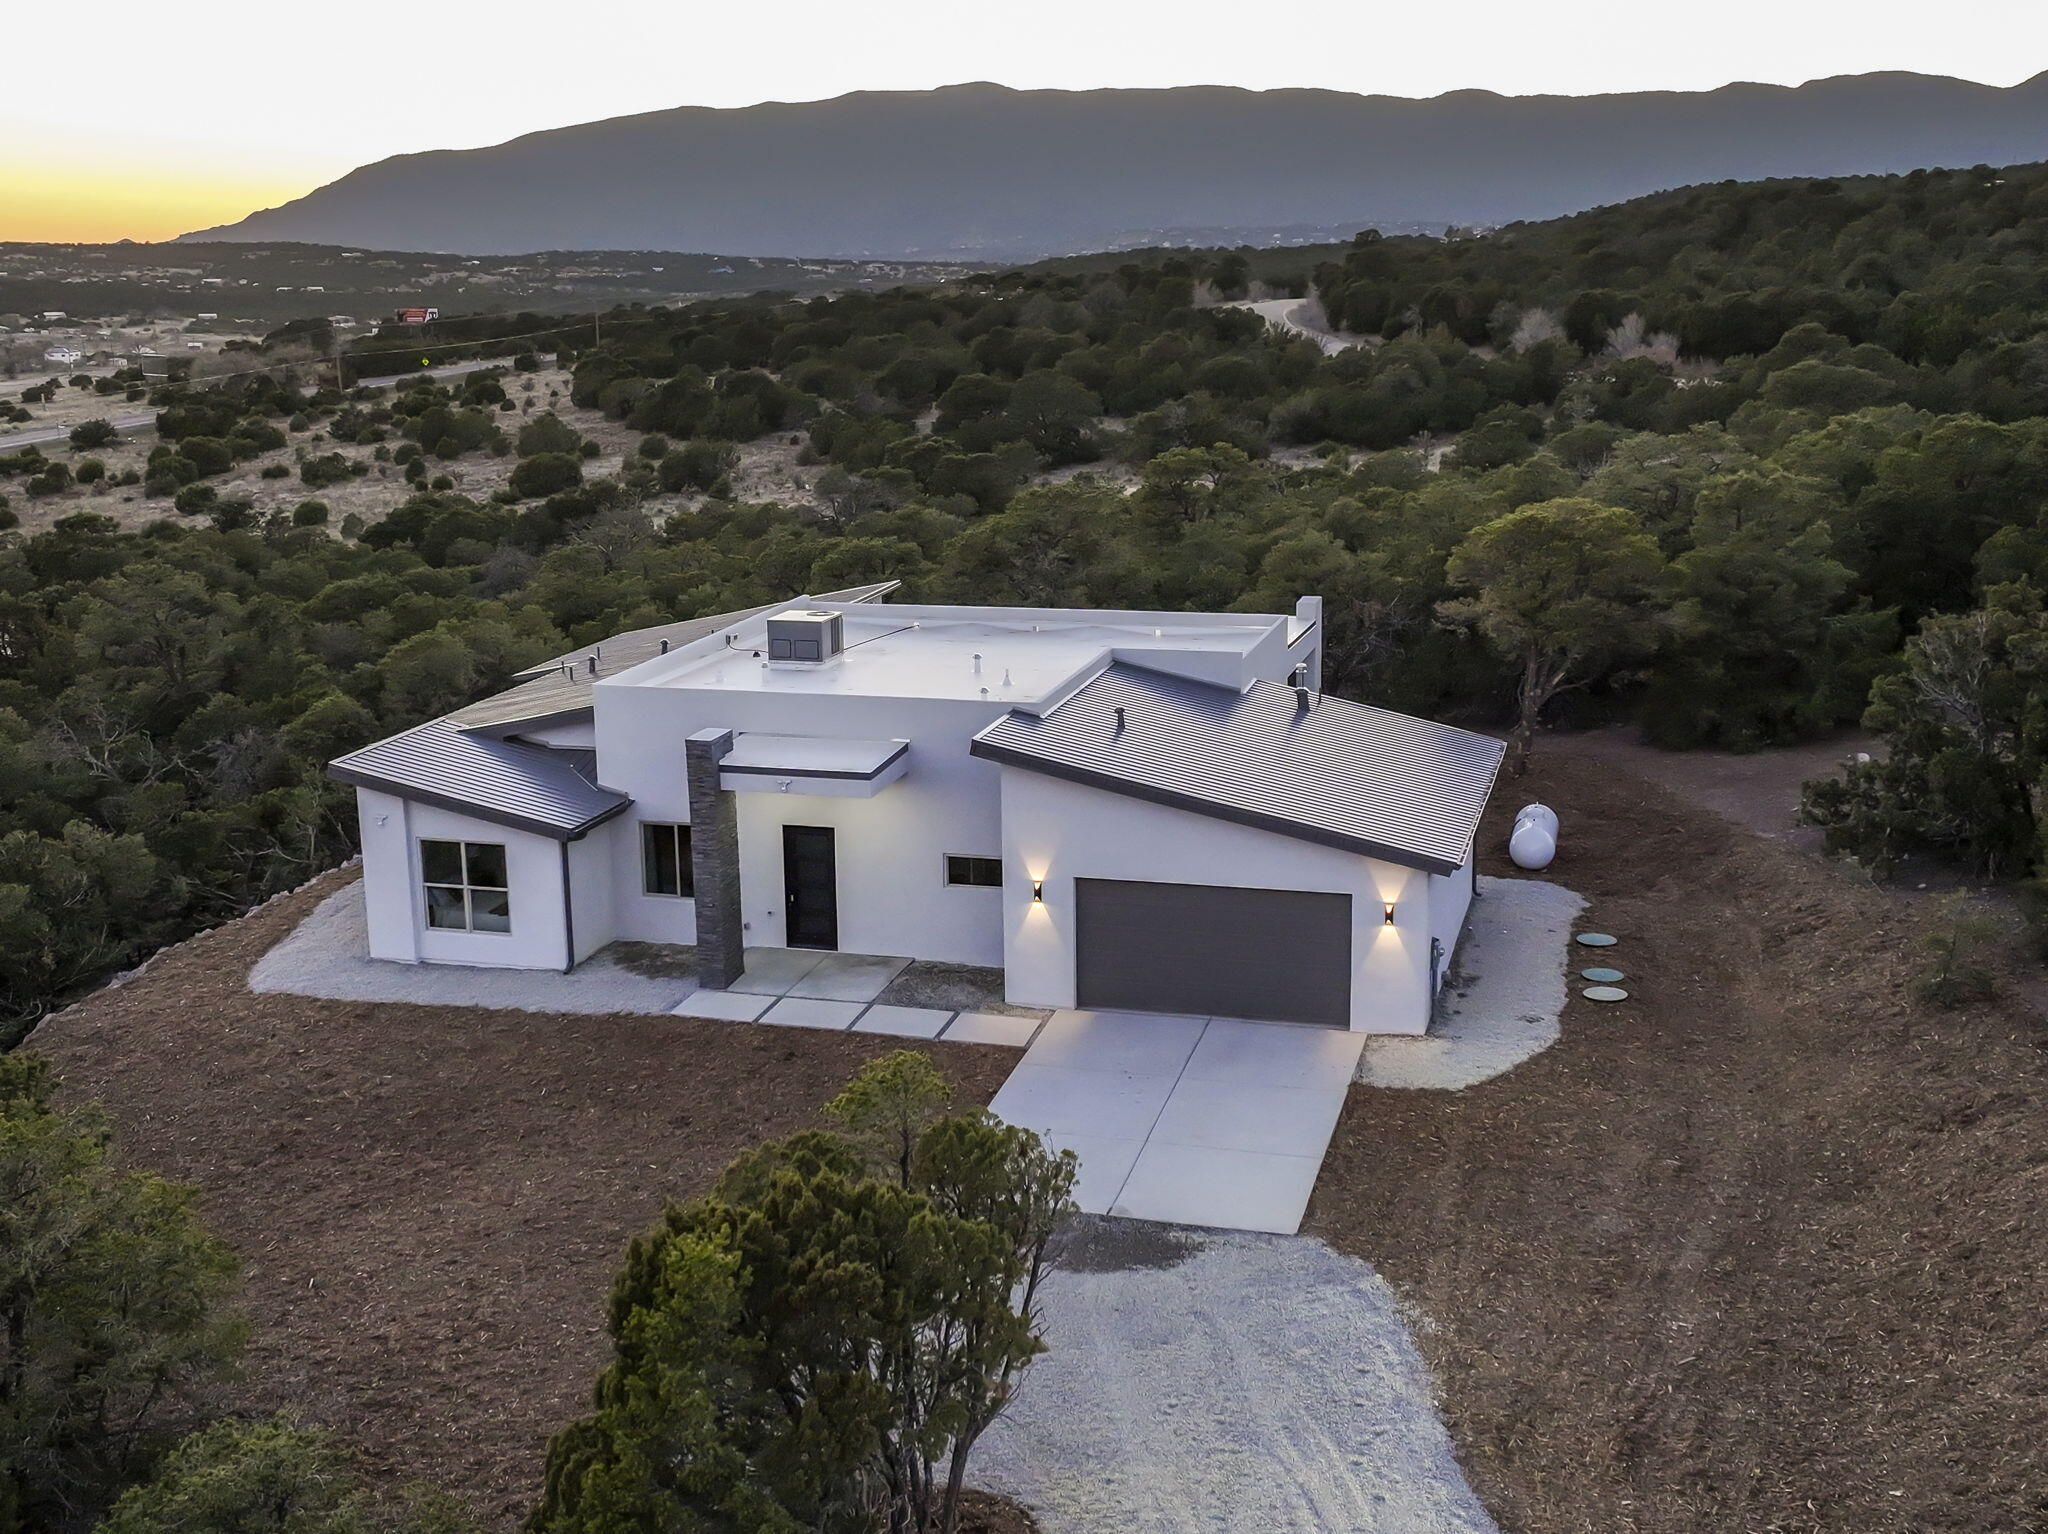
(467,890)
(665,860)
(985,873)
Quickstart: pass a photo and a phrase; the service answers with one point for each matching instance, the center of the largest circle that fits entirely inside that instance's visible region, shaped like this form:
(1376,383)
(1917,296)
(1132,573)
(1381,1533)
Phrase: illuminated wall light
(1389,907)
(1038,891)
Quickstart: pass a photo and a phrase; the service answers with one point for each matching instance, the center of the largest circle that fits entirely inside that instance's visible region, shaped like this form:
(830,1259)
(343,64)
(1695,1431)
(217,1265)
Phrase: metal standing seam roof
(561,685)
(1343,774)
(507,782)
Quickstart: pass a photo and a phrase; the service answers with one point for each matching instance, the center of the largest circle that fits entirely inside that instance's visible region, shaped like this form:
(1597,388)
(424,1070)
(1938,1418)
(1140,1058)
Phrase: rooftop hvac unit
(810,638)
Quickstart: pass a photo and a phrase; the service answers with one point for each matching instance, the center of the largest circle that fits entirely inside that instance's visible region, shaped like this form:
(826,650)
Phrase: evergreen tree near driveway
(818,1343)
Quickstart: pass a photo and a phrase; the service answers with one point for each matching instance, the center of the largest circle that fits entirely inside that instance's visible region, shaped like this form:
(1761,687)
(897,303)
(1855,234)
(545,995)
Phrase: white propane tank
(1531,846)
(1533,842)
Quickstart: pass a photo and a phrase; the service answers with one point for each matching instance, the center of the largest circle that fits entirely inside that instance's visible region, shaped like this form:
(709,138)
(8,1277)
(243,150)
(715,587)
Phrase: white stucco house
(1124,810)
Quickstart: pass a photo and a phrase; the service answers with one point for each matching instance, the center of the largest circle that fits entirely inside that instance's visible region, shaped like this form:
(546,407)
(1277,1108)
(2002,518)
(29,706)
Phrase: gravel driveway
(1226,1382)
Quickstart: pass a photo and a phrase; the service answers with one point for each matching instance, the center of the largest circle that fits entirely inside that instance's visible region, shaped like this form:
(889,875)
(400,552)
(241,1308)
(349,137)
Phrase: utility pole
(597,329)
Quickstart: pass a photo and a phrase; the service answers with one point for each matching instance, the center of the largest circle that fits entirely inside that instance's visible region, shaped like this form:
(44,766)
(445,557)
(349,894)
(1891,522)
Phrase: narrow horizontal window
(665,860)
(964,869)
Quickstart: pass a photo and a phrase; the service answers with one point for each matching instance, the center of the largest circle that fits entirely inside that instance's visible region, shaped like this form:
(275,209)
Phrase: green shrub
(329,469)
(545,474)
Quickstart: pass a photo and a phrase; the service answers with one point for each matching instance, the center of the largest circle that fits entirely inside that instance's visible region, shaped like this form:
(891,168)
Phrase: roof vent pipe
(977,665)
(1303,700)
(664,644)
(1119,720)
(593,665)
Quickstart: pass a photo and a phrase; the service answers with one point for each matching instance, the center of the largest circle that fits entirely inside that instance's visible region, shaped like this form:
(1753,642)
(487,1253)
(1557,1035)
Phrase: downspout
(568,917)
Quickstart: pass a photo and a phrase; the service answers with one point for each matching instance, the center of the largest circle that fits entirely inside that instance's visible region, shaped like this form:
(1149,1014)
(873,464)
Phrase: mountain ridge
(991,171)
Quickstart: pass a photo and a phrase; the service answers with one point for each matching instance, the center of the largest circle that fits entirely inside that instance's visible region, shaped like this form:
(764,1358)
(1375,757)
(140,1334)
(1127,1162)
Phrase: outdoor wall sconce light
(1038,891)
(1389,905)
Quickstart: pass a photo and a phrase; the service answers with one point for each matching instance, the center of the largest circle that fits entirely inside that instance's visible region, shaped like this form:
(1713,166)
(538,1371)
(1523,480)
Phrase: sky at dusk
(206,111)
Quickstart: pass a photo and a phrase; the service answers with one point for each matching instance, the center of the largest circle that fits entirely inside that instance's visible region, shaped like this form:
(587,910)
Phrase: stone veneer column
(714,862)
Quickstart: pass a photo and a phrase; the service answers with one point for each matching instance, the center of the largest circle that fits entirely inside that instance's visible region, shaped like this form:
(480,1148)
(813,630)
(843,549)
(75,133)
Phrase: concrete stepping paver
(992,1028)
(848,977)
(808,1012)
(910,1022)
(728,1006)
(772,971)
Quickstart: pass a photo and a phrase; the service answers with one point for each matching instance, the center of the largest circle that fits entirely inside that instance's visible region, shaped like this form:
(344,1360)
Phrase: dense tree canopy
(1821,406)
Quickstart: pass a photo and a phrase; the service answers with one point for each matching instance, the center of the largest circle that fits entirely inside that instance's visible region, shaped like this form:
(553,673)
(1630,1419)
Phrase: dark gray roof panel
(560,687)
(507,782)
(1340,773)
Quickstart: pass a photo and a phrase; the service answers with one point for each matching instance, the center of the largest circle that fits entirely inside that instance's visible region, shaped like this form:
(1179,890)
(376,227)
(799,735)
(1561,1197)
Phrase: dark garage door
(1213,951)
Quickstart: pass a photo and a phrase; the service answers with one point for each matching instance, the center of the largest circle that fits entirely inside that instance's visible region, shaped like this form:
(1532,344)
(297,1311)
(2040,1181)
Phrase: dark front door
(810,887)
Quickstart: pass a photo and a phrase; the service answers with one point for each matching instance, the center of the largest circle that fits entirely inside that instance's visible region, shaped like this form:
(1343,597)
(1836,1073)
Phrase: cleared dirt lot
(1759,1250)
(430,1202)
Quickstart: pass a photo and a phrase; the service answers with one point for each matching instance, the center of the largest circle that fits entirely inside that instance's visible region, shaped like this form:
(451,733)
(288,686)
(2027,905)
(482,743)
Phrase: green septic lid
(1597,939)
(1604,993)
(1602,976)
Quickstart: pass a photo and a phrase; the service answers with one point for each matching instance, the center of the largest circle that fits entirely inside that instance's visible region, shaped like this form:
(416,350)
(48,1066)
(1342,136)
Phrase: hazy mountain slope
(985,170)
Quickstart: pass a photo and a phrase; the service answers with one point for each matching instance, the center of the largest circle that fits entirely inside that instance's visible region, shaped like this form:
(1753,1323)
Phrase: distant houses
(64,356)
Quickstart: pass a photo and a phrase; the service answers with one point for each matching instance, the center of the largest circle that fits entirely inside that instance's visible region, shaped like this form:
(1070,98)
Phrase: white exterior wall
(891,848)
(1450,899)
(1056,832)
(593,864)
(395,904)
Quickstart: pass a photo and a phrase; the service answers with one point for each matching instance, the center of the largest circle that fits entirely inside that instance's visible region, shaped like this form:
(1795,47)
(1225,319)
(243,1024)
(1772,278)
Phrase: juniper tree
(819,1343)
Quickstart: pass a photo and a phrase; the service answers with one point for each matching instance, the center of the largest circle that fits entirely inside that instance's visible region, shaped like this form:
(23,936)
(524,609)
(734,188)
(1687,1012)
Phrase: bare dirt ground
(1759,1250)
(1758,790)
(431,1202)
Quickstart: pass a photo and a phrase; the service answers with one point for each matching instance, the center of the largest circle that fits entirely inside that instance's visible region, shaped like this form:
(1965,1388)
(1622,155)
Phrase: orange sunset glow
(97,203)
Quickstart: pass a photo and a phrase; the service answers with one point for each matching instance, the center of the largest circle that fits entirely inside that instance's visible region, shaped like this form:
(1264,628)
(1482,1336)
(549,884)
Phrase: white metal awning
(812,764)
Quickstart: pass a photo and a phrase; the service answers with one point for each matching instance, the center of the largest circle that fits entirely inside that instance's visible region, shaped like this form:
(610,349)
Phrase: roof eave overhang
(1009,756)
(500,728)
(357,778)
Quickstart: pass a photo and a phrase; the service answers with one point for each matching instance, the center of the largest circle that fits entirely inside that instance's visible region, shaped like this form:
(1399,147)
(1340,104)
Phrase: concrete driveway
(1186,1120)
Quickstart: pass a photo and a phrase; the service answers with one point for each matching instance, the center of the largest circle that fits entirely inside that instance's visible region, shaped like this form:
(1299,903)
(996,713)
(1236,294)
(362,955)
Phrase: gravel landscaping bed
(328,956)
(1220,1381)
(1502,1005)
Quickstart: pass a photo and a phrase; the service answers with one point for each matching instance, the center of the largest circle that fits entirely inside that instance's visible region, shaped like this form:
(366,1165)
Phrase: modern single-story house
(1156,811)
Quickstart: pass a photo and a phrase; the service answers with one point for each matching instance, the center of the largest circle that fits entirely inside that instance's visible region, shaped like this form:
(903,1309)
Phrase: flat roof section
(905,653)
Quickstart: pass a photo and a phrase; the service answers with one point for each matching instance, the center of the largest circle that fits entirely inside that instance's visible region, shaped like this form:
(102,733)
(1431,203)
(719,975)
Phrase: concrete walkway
(814,988)
(1186,1120)
(327,955)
